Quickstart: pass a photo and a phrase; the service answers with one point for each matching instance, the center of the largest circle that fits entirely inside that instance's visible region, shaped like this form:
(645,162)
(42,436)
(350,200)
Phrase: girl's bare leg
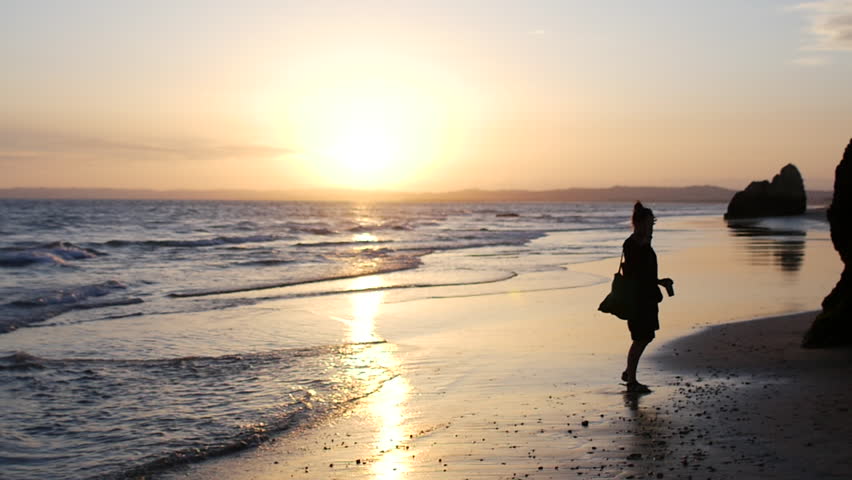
(633,356)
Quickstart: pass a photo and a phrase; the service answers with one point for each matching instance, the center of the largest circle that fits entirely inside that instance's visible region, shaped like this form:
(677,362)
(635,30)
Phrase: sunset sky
(421,96)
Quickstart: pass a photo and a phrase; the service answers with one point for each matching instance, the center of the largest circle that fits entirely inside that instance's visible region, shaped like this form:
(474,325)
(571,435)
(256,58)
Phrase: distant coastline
(690,194)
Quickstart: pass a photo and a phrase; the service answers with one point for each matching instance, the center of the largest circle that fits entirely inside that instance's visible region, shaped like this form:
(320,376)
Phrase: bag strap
(621,264)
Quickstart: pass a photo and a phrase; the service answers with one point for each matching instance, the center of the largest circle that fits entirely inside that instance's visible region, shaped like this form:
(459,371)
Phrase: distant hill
(611,194)
(696,194)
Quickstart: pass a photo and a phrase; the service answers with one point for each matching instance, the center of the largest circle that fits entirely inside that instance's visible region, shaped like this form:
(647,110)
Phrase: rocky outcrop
(785,195)
(833,326)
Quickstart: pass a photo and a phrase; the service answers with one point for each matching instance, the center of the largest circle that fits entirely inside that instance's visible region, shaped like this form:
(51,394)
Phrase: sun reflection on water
(387,405)
(365,238)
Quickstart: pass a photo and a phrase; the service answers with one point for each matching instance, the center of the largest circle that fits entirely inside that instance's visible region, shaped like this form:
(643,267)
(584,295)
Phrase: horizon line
(615,193)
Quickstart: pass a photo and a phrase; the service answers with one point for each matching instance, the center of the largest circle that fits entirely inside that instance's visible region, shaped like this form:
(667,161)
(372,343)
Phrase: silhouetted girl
(640,266)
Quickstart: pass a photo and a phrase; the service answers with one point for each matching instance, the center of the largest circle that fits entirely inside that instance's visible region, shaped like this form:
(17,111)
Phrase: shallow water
(99,256)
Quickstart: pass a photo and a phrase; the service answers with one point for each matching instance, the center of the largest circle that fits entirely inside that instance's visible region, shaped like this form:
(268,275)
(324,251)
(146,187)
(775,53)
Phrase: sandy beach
(525,384)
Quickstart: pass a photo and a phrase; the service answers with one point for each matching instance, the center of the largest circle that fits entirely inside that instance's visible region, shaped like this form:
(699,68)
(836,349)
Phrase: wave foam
(71,295)
(48,304)
(342,243)
(169,411)
(199,242)
(56,253)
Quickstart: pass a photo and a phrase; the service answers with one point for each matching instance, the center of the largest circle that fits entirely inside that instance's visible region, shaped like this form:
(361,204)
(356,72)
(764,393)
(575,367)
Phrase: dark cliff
(833,326)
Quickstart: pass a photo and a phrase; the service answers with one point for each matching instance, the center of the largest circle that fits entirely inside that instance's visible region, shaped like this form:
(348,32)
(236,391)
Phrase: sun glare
(366,120)
(370,137)
(366,140)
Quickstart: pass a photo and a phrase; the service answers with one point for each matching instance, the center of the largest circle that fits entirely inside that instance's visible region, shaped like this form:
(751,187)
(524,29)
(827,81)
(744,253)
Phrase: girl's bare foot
(636,387)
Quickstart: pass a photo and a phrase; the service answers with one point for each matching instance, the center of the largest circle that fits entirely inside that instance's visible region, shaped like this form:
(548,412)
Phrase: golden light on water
(364,237)
(387,405)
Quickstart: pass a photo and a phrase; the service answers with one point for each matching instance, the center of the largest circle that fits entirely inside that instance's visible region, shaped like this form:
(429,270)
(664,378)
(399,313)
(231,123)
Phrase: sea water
(137,335)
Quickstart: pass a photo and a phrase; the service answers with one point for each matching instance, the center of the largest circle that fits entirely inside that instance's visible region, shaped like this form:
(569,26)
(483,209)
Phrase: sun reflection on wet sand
(387,405)
(365,308)
(388,408)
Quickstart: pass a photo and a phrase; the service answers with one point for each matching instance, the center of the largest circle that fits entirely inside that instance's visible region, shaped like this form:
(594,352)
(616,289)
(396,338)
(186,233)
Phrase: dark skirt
(646,322)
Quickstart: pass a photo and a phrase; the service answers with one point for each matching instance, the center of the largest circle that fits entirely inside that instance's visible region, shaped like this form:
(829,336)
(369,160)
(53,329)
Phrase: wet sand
(525,384)
(739,401)
(757,405)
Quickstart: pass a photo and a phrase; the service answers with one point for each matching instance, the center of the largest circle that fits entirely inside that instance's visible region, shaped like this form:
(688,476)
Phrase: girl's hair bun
(640,212)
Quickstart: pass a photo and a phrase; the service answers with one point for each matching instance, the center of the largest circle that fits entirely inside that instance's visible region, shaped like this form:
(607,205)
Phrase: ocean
(139,335)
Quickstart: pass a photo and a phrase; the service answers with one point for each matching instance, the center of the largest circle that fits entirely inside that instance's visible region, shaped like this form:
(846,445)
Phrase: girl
(640,266)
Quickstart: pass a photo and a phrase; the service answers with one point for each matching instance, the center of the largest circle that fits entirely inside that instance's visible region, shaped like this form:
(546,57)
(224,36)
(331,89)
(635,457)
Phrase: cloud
(33,145)
(812,61)
(829,24)
(19,155)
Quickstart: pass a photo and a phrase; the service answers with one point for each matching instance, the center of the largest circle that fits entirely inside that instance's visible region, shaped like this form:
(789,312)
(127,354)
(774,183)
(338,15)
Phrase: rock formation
(785,195)
(833,326)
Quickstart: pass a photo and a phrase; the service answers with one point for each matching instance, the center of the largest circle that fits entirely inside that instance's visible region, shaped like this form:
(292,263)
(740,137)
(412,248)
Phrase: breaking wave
(56,253)
(194,407)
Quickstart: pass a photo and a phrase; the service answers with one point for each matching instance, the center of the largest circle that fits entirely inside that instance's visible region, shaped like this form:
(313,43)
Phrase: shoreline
(525,384)
(756,407)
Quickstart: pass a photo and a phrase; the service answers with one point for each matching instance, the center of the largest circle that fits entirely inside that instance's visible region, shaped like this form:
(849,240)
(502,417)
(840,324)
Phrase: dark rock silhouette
(785,195)
(833,326)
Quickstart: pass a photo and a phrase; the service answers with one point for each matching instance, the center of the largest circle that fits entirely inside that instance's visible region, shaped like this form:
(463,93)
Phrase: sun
(364,118)
(371,136)
(366,142)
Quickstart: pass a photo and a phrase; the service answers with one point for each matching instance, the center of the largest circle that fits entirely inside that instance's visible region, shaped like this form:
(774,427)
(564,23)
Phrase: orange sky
(430,96)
